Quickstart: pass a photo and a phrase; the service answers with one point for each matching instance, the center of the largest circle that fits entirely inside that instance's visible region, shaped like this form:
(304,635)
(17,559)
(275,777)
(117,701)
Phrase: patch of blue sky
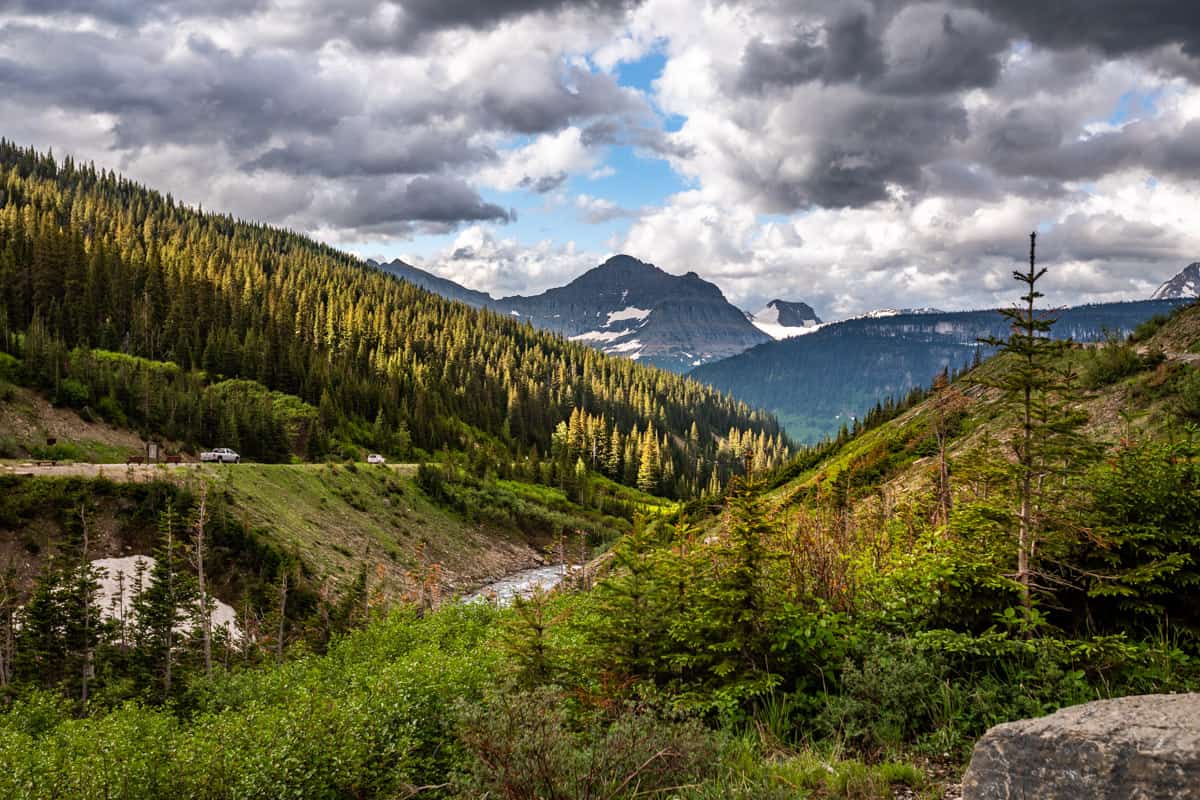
(639,178)
(642,74)
(1135,104)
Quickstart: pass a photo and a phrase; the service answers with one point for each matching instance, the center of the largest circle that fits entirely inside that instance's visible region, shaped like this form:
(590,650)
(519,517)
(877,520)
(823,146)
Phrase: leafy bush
(887,696)
(525,745)
(72,392)
(10,368)
(60,451)
(1150,327)
(1188,396)
(1110,363)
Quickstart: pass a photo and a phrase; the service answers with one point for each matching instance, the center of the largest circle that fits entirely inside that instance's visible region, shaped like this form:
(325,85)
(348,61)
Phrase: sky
(852,154)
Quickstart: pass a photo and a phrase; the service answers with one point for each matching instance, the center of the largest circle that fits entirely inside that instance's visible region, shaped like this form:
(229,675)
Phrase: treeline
(92,261)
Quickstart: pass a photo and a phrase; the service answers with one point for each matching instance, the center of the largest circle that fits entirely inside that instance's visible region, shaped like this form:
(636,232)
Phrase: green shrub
(10,368)
(72,392)
(60,451)
(1150,327)
(1188,395)
(524,744)
(1110,363)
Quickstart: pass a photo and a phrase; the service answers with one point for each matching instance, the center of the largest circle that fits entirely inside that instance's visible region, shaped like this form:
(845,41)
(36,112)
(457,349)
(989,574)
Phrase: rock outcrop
(1133,748)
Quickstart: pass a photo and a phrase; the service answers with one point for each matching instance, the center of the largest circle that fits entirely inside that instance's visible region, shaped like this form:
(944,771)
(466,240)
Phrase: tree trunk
(283,590)
(205,607)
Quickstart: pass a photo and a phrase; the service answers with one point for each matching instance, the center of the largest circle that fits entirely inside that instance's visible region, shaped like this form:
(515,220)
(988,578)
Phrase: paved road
(137,473)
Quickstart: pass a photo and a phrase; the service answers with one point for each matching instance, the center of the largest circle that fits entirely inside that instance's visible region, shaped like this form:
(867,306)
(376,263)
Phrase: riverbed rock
(1134,748)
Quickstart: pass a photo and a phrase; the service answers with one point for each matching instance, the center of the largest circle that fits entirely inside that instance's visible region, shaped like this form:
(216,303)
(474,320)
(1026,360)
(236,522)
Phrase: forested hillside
(207,330)
(817,383)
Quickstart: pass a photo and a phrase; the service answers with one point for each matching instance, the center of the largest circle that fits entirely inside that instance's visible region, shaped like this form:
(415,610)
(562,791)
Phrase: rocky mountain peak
(1185,284)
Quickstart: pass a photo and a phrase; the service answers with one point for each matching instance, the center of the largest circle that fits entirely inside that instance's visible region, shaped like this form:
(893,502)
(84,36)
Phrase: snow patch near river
(118,571)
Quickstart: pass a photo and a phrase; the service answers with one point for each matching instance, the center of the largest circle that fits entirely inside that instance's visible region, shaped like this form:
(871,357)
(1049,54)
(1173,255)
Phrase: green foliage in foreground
(745,662)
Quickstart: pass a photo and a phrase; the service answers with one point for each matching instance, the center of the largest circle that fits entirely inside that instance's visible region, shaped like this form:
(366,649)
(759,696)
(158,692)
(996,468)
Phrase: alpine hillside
(208,331)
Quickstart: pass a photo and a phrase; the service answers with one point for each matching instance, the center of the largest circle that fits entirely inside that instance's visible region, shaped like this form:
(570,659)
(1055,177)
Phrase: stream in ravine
(519,584)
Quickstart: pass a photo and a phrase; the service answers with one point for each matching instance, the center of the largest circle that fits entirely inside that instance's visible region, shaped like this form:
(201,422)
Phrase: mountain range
(812,374)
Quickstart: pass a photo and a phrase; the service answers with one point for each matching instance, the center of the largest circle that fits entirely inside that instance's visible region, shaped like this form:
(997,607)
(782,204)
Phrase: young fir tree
(166,603)
(1043,393)
(629,628)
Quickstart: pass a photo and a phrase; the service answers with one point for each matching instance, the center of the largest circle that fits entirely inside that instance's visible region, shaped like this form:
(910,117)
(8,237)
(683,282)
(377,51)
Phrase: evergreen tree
(1044,397)
(166,603)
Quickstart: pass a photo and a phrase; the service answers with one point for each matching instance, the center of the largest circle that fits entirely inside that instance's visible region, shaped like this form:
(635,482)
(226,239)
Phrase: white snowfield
(222,615)
(598,336)
(629,312)
(631,347)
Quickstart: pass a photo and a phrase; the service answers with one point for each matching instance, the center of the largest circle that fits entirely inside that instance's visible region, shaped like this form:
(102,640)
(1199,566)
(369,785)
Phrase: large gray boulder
(1132,748)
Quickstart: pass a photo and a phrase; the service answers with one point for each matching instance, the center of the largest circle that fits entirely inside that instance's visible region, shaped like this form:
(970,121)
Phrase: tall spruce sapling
(1048,448)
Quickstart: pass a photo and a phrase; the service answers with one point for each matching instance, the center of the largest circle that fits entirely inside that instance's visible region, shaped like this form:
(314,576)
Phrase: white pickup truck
(221,455)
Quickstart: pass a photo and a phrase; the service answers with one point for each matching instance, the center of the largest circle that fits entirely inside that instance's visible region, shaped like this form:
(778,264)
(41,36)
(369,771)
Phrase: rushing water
(519,584)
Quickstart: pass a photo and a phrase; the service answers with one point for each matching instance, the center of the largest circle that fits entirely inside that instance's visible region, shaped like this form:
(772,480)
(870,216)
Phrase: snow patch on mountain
(629,312)
(883,313)
(776,331)
(589,337)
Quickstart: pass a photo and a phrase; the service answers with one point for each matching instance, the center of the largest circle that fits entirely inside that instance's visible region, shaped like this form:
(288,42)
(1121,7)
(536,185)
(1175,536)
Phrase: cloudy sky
(850,153)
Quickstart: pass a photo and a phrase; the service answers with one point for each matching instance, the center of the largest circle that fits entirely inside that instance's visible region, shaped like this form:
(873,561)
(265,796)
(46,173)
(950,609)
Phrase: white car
(221,455)
(375,458)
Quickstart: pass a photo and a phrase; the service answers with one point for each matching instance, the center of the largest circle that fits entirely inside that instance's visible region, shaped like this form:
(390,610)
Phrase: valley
(569,553)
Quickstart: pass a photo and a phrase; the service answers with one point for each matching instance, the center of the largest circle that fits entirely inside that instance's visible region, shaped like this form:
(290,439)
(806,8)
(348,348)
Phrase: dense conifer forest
(212,331)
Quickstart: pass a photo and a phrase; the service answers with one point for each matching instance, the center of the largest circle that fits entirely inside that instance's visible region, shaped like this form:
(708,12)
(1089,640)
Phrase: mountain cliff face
(624,307)
(783,319)
(1185,284)
(631,308)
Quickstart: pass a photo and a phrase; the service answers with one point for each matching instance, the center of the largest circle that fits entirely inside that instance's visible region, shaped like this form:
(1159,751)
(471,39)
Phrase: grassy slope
(1140,405)
(338,517)
(335,518)
(28,421)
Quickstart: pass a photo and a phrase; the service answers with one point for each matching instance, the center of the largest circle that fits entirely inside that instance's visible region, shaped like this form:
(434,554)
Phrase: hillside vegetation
(839,628)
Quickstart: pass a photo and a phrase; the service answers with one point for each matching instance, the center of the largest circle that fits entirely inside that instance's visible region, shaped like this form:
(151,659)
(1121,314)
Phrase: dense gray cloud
(275,102)
(355,151)
(932,53)
(131,13)
(1115,27)
(851,50)
(849,144)
(394,208)
(204,94)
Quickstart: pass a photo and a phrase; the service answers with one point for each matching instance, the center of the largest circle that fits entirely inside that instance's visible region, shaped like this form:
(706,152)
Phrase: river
(519,584)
